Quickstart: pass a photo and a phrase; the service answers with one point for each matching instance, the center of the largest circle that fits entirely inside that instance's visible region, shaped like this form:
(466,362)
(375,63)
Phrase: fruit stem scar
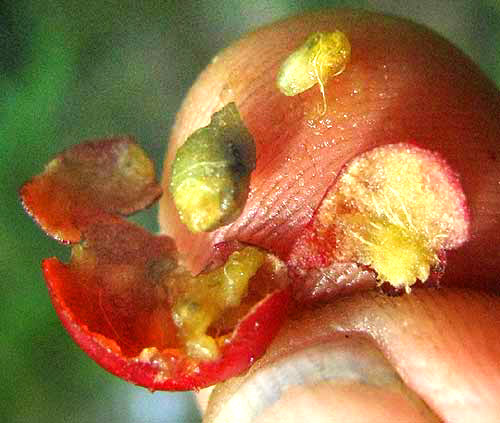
(321,56)
(210,175)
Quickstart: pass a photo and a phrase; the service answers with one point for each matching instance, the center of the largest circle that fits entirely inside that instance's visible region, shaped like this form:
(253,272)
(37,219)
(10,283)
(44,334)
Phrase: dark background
(74,70)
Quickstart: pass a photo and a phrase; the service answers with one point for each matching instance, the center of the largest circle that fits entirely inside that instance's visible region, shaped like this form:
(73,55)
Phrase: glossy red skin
(247,343)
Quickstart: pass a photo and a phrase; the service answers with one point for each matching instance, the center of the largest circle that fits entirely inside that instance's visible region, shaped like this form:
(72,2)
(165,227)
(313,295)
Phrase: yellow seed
(323,54)
(211,172)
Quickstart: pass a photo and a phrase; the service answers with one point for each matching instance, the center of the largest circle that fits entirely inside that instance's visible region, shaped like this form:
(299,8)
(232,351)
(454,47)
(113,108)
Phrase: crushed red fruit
(119,296)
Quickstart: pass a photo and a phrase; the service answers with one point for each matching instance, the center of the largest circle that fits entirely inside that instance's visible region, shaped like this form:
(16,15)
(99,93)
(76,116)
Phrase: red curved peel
(169,368)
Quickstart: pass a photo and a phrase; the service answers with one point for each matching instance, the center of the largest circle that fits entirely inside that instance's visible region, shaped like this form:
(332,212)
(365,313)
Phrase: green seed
(211,172)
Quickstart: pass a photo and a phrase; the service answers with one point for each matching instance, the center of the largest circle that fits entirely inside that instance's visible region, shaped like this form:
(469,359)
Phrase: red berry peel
(394,211)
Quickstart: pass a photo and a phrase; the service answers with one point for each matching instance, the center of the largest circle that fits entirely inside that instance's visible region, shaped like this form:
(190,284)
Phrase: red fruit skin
(79,187)
(172,369)
(108,297)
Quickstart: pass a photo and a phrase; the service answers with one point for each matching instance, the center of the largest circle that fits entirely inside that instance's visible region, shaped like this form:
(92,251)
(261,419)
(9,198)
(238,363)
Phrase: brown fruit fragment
(88,182)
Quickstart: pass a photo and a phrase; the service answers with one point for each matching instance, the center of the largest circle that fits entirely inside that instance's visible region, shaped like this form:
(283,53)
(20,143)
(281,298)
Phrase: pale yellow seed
(323,55)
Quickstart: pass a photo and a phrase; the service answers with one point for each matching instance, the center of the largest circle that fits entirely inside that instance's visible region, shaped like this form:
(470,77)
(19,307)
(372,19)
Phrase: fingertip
(404,83)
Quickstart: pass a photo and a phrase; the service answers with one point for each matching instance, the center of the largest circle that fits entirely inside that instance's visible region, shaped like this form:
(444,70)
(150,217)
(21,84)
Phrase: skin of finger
(363,387)
(404,83)
(441,342)
(353,403)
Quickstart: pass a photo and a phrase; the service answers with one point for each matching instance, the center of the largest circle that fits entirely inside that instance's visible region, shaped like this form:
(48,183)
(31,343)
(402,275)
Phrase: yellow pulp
(398,255)
(394,210)
(199,203)
(202,300)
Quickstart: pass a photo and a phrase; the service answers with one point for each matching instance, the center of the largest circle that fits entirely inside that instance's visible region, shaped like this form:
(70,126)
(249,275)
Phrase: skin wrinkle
(279,149)
(269,69)
(253,90)
(222,235)
(248,66)
(284,144)
(271,194)
(275,212)
(381,405)
(287,220)
(284,192)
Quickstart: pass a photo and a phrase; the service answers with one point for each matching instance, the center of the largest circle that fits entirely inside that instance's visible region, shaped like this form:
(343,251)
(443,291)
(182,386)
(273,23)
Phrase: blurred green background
(74,70)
